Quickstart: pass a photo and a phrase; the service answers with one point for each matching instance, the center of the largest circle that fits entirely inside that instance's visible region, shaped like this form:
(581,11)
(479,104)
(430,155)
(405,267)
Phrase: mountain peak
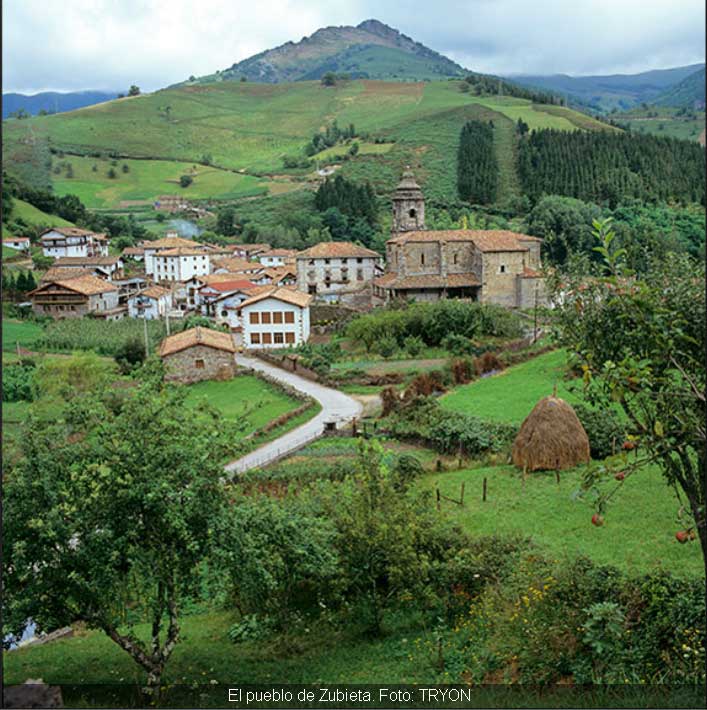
(371,50)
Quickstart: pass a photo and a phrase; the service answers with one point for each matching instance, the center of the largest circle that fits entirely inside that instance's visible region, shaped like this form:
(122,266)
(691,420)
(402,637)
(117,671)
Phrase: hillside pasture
(35,217)
(146,180)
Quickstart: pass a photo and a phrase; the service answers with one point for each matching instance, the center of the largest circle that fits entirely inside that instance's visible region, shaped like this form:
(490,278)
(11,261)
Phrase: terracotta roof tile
(154,292)
(235,263)
(288,295)
(197,336)
(326,250)
(87,260)
(483,239)
(87,285)
(170,243)
(228,286)
(71,232)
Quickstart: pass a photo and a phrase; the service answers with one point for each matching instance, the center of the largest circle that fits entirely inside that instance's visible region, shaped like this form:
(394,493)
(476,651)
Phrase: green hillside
(370,50)
(33,216)
(686,93)
(233,136)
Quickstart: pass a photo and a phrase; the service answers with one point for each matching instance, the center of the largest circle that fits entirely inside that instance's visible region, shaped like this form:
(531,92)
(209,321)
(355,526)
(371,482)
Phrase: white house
(150,249)
(151,303)
(223,307)
(275,318)
(277,257)
(180,264)
(60,242)
(329,268)
(19,243)
(215,291)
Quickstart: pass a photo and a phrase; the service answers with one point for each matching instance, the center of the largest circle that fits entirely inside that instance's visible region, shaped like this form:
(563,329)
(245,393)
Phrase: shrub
(425,384)
(463,370)
(185,180)
(17,382)
(250,628)
(390,400)
(603,428)
(413,345)
(488,362)
(130,354)
(458,344)
(387,346)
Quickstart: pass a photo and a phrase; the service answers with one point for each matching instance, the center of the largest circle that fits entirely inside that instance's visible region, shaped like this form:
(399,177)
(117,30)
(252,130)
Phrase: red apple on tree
(597,520)
(620,476)
(681,536)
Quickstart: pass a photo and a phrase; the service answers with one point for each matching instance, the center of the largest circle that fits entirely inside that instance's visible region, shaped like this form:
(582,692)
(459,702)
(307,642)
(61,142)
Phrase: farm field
(146,180)
(19,331)
(638,535)
(510,395)
(251,127)
(244,398)
(363,149)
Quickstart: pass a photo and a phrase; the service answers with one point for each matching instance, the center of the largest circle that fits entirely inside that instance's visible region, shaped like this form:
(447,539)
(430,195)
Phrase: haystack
(551,438)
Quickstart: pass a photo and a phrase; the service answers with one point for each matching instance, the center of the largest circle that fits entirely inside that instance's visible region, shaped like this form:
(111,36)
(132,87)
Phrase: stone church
(490,266)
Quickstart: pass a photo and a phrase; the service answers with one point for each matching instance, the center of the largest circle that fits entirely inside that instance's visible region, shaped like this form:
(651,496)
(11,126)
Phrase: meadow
(35,217)
(246,127)
(144,180)
(22,332)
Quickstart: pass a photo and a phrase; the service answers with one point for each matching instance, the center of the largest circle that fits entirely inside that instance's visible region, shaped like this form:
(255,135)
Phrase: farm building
(76,297)
(59,242)
(151,303)
(198,354)
(275,318)
(17,243)
(491,266)
(331,269)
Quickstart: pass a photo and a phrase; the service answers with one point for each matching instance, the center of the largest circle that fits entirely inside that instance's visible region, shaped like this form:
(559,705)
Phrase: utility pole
(147,342)
(167,318)
(535,316)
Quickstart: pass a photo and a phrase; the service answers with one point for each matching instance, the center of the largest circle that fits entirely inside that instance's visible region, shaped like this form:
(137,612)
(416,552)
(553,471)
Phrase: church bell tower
(408,205)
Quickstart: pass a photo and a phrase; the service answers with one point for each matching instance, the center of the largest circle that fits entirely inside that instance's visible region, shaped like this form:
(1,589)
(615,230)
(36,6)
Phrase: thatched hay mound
(551,438)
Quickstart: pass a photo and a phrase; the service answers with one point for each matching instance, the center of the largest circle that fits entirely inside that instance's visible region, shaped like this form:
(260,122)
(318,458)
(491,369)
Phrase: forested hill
(685,94)
(371,50)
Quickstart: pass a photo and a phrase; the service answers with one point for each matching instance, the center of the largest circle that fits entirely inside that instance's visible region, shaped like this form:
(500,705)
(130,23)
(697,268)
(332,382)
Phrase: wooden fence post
(438,506)
(461,499)
(484,493)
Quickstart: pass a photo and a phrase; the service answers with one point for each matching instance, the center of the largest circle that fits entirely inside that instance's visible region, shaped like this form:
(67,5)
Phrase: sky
(69,45)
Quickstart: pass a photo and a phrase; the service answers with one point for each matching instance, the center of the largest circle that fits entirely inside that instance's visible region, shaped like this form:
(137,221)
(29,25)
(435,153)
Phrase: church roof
(485,240)
(433,281)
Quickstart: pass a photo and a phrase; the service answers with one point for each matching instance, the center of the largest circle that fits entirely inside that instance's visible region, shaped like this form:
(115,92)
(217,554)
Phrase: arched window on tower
(413,213)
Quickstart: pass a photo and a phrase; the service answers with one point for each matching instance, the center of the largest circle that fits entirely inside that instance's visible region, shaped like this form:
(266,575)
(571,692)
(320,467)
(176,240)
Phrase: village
(346,367)
(262,296)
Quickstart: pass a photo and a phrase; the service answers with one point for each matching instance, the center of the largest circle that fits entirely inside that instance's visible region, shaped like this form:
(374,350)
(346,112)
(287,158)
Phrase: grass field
(639,533)
(147,179)
(244,398)
(510,395)
(30,214)
(19,331)
(363,149)
(250,127)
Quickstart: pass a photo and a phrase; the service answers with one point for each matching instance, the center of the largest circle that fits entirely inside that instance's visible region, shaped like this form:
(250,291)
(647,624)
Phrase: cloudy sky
(68,45)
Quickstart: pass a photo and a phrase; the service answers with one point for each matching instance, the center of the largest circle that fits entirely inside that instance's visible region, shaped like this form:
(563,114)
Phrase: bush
(463,370)
(185,180)
(250,628)
(387,346)
(130,354)
(603,428)
(488,362)
(17,382)
(413,345)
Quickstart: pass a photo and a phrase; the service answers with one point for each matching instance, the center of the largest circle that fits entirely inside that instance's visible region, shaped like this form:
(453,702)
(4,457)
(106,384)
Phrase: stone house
(332,269)
(198,354)
(150,303)
(275,318)
(59,242)
(76,297)
(490,266)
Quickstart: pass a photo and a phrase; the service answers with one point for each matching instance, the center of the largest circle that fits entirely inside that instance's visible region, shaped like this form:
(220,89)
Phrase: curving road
(336,406)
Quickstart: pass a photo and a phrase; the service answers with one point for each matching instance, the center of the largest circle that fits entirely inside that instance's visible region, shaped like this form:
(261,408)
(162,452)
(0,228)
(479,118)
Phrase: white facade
(274,323)
(178,264)
(276,257)
(225,309)
(150,304)
(331,274)
(19,243)
(71,241)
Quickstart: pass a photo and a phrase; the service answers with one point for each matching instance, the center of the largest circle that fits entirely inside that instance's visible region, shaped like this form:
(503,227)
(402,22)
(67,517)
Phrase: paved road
(336,406)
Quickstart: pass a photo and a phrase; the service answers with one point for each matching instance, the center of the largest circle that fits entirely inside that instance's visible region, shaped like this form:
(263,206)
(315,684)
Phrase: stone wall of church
(500,272)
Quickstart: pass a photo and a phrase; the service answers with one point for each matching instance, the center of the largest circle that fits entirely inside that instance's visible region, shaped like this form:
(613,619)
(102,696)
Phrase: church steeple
(408,205)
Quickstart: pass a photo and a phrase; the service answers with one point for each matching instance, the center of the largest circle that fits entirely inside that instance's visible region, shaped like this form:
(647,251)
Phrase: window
(359,260)
(277,317)
(327,261)
(254,318)
(224,313)
(289,317)
(502,269)
(279,338)
(267,338)
(412,213)
(422,259)
(455,259)
(199,364)
(289,338)
(255,338)
(359,274)
(265,317)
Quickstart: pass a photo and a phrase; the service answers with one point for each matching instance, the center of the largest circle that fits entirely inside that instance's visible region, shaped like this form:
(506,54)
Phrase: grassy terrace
(510,395)
(19,331)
